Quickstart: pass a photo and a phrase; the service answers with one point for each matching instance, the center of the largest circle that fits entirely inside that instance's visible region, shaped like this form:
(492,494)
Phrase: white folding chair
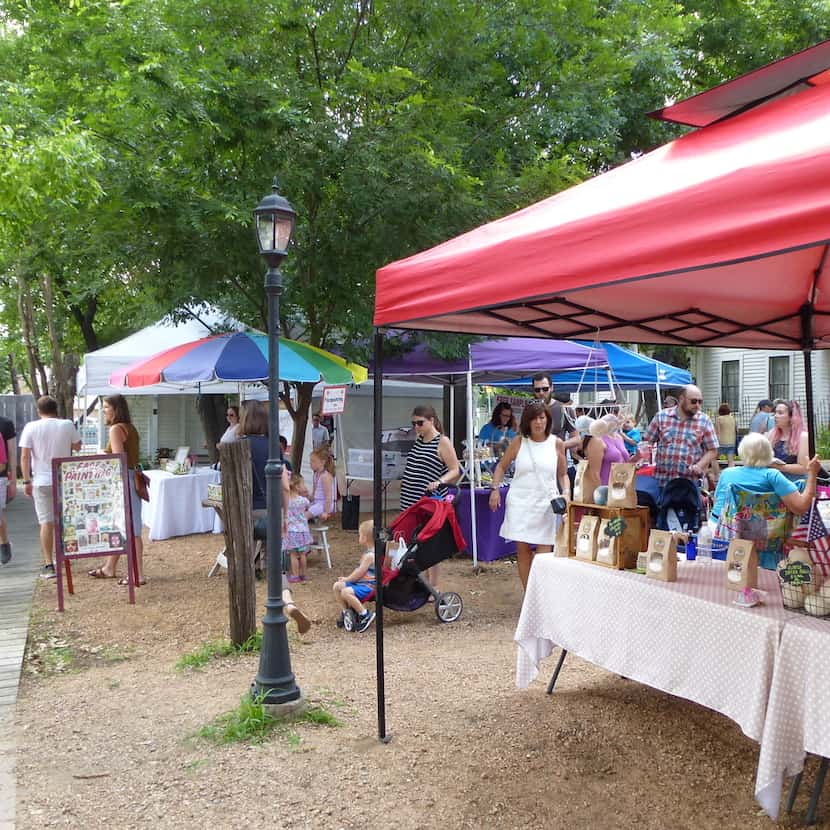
(321,541)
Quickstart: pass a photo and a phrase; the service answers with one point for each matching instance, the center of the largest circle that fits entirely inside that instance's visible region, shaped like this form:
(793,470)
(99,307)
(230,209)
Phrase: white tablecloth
(686,637)
(797,715)
(175,506)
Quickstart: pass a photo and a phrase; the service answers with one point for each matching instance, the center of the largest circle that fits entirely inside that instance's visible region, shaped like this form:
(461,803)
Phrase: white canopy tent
(99,366)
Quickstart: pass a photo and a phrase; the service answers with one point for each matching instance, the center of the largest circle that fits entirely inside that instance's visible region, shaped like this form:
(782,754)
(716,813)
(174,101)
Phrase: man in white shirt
(42,440)
(319,434)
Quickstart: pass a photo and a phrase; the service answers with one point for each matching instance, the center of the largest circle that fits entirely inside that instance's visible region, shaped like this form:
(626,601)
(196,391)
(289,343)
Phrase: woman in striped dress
(431,465)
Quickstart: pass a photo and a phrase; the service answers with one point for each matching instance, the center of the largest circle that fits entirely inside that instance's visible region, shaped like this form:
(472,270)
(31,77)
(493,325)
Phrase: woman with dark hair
(499,430)
(431,465)
(123,438)
(541,473)
(232,432)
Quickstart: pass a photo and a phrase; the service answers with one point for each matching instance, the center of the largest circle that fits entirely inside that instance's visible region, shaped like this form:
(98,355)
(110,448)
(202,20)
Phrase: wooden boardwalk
(17,581)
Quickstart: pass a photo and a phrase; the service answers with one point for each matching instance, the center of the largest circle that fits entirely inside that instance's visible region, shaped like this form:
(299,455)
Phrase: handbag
(142,484)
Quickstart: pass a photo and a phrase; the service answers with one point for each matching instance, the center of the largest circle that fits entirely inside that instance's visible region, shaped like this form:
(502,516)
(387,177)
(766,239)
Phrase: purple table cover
(491,546)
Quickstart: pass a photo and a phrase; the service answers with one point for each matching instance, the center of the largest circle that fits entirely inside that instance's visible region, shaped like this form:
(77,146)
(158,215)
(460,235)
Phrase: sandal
(124,582)
(303,622)
(100,573)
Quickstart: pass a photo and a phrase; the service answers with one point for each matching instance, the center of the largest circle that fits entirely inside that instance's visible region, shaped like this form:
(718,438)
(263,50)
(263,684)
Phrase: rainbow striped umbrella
(240,357)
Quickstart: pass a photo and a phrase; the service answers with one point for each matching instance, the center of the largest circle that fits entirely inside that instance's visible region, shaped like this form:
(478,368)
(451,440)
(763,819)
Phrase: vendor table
(797,718)
(175,506)
(491,546)
(686,638)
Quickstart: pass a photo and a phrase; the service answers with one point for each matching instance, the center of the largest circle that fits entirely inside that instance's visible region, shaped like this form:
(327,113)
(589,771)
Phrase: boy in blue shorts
(350,591)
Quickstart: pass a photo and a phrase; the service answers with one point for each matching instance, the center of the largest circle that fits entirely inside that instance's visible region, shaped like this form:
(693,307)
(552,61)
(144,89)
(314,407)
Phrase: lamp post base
(286,711)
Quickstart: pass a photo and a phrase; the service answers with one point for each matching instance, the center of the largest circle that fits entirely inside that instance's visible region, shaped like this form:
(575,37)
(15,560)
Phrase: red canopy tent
(719,238)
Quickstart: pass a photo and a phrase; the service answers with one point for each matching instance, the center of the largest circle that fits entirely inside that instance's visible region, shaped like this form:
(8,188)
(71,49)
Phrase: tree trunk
(27,325)
(239,538)
(300,416)
(64,366)
(212,409)
(84,319)
(13,378)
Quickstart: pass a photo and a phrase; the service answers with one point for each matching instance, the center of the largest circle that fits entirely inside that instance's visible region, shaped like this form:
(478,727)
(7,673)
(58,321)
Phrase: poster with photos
(91,499)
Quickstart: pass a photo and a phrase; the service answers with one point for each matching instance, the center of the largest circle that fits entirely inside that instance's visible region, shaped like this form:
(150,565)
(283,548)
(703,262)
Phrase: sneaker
(303,579)
(294,579)
(5,553)
(365,620)
(48,572)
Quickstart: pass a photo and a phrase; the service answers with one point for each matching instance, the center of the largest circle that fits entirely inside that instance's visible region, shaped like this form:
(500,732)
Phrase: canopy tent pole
(380,532)
(472,458)
(806,313)
(452,410)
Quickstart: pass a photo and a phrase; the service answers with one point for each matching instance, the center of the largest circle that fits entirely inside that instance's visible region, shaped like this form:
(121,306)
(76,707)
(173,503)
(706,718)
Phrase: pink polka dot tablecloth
(686,638)
(798,714)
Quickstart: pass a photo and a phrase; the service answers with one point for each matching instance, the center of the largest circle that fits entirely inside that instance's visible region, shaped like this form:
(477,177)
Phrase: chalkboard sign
(93,515)
(795,573)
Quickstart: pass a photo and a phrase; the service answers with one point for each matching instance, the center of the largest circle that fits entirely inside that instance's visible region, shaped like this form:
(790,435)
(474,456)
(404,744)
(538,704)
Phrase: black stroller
(680,506)
(431,532)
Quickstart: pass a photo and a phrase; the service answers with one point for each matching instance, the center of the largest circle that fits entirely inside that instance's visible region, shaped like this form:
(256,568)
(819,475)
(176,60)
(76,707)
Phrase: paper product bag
(608,544)
(662,556)
(741,565)
(622,491)
(581,467)
(586,538)
(562,544)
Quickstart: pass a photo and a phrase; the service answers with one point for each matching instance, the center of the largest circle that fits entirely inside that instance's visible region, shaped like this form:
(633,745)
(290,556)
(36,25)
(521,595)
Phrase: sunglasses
(506,414)
(695,400)
(419,423)
(541,388)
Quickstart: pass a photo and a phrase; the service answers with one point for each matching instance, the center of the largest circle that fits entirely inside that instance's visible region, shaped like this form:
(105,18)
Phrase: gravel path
(106,739)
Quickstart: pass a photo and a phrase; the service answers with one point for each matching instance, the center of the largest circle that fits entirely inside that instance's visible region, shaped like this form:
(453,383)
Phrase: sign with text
(92,511)
(334,400)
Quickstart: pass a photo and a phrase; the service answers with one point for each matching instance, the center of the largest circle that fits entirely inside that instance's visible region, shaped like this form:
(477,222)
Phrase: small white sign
(334,400)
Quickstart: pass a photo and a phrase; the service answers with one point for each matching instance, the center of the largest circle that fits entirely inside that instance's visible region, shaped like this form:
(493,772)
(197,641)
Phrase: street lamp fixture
(274,683)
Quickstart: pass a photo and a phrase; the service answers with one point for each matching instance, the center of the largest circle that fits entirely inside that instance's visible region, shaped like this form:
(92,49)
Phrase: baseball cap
(764,402)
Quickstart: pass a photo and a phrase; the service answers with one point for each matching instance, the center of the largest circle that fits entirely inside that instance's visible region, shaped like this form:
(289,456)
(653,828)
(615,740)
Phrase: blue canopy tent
(625,370)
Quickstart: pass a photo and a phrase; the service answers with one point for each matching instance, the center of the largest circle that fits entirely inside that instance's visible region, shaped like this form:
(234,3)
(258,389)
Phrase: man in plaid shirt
(686,439)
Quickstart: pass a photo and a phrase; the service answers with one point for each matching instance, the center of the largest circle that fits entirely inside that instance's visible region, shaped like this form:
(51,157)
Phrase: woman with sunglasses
(231,434)
(431,465)
(541,473)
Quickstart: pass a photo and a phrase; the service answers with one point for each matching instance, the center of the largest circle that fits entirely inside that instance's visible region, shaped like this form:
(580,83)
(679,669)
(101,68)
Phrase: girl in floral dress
(297,536)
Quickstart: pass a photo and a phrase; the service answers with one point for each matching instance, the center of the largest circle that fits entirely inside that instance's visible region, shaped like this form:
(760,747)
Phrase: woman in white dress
(541,473)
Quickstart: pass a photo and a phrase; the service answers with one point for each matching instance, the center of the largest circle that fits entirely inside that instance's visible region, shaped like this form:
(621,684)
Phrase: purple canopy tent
(488,362)
(494,360)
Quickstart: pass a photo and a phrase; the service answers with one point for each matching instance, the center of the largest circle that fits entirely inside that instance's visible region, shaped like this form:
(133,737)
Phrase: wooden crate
(633,540)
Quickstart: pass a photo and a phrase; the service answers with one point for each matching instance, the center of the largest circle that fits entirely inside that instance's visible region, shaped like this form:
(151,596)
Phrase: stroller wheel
(349,620)
(449,607)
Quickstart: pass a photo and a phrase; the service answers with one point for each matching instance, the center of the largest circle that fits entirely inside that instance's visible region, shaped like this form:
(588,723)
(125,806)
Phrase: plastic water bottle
(704,544)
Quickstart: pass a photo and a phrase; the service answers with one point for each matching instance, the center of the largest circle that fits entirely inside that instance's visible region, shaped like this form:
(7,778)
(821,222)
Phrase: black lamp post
(274,683)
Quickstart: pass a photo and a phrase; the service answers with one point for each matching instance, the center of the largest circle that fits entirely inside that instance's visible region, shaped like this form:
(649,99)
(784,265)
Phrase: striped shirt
(423,465)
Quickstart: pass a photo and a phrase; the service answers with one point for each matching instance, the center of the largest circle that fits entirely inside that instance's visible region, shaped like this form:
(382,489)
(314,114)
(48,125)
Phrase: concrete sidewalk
(17,582)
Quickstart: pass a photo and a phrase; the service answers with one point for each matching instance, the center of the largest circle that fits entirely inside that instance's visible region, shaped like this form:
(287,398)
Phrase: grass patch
(213,649)
(251,723)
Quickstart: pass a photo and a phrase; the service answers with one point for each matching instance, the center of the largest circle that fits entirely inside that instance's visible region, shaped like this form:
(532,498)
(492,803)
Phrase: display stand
(634,538)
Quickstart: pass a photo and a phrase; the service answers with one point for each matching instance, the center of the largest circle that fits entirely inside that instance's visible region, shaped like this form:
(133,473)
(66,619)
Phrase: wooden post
(235,459)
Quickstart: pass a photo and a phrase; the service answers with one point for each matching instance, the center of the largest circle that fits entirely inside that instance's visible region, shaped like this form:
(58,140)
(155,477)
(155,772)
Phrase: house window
(730,383)
(779,377)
